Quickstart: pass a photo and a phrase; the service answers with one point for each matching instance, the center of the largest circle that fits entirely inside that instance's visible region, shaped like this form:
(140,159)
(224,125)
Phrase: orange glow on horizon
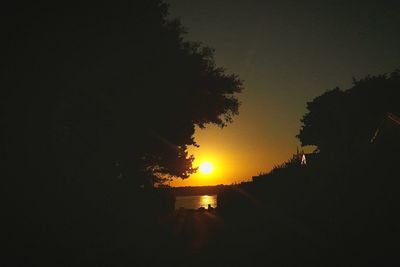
(236,154)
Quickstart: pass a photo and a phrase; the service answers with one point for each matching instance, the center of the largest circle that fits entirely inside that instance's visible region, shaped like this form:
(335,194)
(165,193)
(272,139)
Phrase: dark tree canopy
(345,121)
(109,89)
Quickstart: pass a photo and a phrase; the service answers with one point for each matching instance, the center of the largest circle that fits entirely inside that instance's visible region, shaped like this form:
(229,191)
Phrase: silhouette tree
(98,99)
(343,122)
(112,89)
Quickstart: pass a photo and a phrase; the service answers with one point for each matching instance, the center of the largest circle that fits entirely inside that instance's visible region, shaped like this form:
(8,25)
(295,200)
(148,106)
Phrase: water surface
(195,202)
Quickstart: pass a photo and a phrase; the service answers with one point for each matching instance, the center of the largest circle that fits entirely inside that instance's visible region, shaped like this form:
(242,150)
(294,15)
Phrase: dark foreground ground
(343,214)
(256,237)
(198,238)
(207,238)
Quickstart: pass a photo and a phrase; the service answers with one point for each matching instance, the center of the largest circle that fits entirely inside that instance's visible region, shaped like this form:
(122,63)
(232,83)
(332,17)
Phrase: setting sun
(206,167)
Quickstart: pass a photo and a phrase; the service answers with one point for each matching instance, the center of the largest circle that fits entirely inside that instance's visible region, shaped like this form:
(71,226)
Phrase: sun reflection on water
(206,199)
(195,202)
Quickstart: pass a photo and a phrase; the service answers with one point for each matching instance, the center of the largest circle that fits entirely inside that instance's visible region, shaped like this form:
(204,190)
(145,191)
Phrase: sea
(195,202)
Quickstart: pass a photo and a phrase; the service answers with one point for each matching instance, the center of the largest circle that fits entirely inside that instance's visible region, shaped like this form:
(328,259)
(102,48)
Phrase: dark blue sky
(287,52)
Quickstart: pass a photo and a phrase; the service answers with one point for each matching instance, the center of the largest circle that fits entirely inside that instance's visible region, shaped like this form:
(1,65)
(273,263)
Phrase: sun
(206,168)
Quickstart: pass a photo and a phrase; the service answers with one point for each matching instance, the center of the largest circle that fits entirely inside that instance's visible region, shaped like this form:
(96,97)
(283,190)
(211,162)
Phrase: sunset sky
(287,53)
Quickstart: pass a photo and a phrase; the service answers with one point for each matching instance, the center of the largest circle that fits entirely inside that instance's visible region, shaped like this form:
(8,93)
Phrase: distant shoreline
(195,190)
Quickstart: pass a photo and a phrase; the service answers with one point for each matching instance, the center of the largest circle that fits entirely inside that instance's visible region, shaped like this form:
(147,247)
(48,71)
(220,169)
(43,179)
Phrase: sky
(287,53)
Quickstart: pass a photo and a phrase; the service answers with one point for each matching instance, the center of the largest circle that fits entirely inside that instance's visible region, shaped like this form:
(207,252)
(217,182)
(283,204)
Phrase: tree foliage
(345,121)
(110,89)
